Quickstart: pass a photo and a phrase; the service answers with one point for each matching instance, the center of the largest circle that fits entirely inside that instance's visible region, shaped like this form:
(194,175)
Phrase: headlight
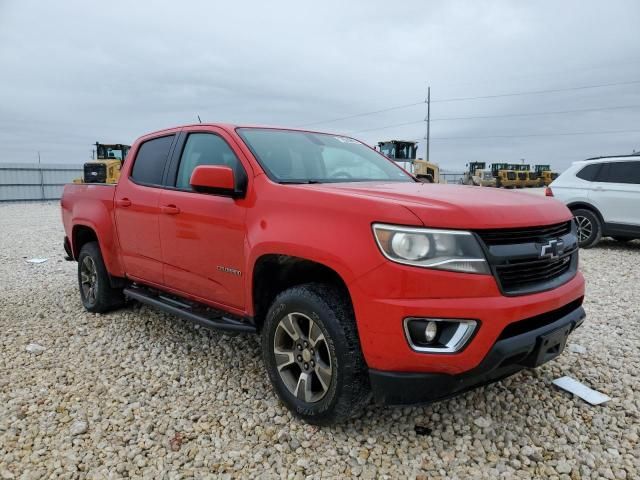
(454,250)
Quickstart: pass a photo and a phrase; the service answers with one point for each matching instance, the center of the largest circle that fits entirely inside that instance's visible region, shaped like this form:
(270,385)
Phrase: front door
(136,210)
(203,235)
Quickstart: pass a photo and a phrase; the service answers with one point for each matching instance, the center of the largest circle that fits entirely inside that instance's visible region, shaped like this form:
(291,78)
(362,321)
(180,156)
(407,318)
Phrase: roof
(398,141)
(232,126)
(613,158)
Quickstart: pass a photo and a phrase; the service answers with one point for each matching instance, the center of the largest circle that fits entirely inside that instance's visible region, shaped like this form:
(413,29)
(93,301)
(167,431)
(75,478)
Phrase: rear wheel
(312,354)
(589,228)
(96,292)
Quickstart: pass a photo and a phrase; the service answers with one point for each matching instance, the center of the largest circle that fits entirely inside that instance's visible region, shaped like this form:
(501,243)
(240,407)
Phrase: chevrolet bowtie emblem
(552,249)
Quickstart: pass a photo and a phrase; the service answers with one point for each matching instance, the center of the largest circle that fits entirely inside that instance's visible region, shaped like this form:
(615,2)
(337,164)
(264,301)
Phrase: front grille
(522,274)
(95,173)
(524,235)
(531,259)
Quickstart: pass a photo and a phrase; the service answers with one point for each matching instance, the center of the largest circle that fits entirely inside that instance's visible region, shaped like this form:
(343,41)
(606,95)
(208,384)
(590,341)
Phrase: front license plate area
(550,345)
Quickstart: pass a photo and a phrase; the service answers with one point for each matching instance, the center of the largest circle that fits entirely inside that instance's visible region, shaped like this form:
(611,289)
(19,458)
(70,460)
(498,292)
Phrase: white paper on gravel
(37,260)
(581,390)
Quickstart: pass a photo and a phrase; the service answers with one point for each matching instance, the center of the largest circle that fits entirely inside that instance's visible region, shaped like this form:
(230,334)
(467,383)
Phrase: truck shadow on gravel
(611,244)
(233,368)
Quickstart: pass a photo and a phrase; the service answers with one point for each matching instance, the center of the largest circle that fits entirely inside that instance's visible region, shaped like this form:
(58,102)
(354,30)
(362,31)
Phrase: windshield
(290,156)
(108,152)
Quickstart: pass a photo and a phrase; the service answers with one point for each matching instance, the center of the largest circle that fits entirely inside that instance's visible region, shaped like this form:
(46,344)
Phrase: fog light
(430,332)
(438,335)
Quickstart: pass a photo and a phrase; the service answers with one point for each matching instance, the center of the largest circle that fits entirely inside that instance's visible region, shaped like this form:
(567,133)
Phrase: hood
(461,206)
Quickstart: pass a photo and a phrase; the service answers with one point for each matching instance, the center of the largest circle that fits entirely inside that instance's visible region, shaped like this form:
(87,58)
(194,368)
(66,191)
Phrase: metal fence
(32,181)
(451,177)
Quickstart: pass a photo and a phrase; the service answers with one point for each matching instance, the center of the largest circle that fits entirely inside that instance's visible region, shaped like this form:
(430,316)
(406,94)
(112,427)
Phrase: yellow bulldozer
(404,153)
(105,168)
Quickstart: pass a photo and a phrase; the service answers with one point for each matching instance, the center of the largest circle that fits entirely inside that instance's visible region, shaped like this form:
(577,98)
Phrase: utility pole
(428,120)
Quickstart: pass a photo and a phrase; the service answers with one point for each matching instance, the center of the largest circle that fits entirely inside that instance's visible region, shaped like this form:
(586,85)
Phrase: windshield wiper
(299,182)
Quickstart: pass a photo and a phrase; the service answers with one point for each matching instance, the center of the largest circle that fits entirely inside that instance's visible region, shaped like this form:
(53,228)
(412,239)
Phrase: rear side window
(624,172)
(204,149)
(590,172)
(150,161)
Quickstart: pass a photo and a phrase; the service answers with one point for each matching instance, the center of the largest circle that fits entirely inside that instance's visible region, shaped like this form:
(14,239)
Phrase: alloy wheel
(302,357)
(585,228)
(88,279)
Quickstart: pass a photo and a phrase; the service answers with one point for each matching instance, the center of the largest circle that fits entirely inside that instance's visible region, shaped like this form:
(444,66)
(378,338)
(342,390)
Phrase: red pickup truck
(360,280)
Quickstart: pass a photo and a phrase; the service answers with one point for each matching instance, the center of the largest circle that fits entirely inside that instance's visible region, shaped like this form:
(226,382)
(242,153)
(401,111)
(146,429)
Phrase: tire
(332,397)
(96,292)
(589,227)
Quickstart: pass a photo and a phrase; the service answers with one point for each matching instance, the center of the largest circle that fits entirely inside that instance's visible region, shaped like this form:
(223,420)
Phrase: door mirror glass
(213,179)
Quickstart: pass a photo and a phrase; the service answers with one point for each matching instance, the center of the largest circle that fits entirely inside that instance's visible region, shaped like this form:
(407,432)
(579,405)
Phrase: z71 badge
(232,271)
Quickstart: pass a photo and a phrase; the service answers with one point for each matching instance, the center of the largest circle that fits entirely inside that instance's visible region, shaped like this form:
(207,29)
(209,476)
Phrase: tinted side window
(204,149)
(624,172)
(589,172)
(150,160)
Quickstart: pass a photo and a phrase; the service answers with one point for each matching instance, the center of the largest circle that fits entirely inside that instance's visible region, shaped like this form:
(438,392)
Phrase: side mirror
(214,179)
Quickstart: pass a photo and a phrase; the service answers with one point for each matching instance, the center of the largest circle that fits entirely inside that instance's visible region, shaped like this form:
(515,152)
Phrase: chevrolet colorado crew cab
(361,280)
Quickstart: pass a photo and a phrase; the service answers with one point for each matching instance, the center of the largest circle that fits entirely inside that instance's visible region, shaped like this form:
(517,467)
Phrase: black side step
(218,322)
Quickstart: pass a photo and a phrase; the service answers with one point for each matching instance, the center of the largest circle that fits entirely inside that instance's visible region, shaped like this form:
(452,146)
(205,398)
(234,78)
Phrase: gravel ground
(137,393)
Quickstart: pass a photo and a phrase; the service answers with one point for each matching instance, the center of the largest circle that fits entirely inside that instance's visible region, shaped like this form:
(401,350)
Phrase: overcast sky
(74,72)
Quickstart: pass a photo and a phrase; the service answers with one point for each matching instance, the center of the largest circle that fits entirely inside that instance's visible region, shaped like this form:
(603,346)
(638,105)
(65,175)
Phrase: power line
(604,132)
(460,99)
(506,115)
(397,107)
(538,92)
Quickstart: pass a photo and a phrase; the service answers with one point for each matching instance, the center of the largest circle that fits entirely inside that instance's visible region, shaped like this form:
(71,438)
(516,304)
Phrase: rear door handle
(125,202)
(170,209)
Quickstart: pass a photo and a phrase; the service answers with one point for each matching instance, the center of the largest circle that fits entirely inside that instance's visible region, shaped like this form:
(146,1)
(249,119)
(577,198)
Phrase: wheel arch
(587,206)
(273,273)
(81,234)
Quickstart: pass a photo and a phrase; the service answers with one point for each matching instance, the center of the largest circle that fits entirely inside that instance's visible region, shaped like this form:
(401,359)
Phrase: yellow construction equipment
(505,176)
(479,175)
(106,167)
(545,174)
(403,152)
(522,174)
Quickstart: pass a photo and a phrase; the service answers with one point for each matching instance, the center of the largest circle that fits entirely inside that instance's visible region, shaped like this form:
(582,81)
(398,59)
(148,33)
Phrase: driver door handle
(169,209)
(125,202)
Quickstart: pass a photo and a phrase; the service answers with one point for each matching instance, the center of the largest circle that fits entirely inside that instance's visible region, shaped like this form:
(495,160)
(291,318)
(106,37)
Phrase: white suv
(604,196)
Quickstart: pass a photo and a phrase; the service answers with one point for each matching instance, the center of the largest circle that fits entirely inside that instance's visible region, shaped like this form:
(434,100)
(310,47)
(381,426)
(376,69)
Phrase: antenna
(199,118)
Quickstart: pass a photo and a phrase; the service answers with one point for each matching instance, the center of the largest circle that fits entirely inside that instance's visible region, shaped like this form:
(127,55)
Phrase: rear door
(616,192)
(203,235)
(136,209)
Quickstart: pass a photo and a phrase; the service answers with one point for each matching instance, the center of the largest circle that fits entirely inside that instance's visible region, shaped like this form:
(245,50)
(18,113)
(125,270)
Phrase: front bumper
(511,353)
(387,295)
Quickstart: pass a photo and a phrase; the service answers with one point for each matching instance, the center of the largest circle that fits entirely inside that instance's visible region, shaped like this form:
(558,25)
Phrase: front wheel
(96,292)
(589,228)
(312,354)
